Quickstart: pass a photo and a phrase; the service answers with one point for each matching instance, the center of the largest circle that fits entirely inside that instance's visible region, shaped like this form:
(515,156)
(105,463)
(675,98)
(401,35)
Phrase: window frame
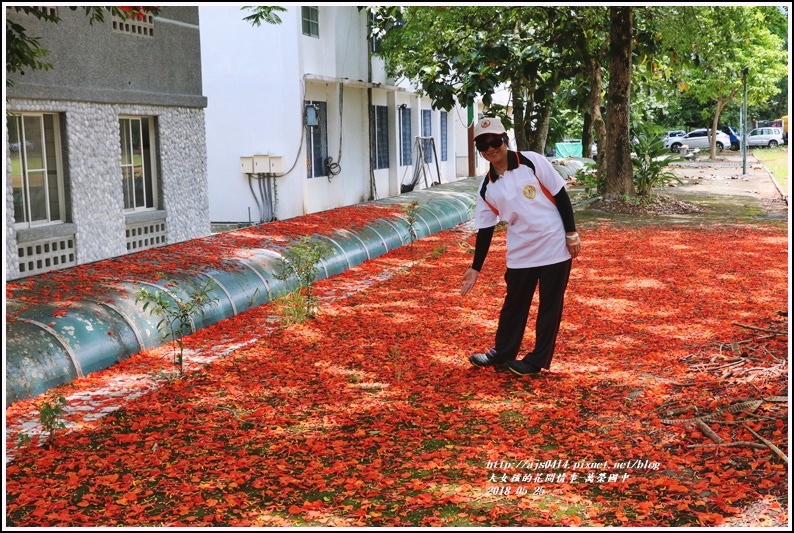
(56,159)
(406,147)
(427,131)
(313,23)
(312,158)
(380,137)
(153,175)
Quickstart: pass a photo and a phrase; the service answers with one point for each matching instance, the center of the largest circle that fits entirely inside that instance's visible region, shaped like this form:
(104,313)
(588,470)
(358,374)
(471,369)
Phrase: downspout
(470,136)
(373,190)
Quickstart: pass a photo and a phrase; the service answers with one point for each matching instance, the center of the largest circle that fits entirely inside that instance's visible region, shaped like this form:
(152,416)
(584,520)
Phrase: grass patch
(434,444)
(776,162)
(511,416)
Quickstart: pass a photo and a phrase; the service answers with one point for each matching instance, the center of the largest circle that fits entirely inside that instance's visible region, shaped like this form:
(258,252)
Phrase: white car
(674,133)
(770,137)
(697,139)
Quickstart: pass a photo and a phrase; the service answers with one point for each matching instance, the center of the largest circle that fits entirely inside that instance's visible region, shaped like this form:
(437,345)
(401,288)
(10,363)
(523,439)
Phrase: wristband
(574,236)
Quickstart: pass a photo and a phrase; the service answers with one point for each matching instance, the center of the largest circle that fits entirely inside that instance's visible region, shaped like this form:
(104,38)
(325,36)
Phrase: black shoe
(522,368)
(485,359)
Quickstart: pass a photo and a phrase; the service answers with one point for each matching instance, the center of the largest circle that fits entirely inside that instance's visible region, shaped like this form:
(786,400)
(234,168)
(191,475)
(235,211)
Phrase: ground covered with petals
(370,414)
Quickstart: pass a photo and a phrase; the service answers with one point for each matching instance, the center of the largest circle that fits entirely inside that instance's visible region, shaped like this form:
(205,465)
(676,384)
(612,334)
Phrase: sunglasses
(484,144)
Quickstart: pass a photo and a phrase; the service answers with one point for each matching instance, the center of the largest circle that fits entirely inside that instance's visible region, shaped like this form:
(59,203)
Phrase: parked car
(733,134)
(674,133)
(770,137)
(697,139)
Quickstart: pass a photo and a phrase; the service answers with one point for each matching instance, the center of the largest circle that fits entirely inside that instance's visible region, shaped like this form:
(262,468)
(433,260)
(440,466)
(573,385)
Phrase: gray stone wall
(183,157)
(92,163)
(12,258)
(94,63)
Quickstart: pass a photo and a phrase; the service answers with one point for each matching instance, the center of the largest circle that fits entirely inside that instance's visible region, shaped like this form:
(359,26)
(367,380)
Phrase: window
(443,135)
(405,135)
(311,21)
(36,170)
(427,131)
(316,138)
(138,156)
(380,150)
(133,26)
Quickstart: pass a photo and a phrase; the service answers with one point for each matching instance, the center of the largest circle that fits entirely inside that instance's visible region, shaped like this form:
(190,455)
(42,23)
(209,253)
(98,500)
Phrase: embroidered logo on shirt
(530,192)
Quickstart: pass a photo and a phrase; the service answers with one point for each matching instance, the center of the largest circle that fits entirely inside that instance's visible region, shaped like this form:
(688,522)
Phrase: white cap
(488,125)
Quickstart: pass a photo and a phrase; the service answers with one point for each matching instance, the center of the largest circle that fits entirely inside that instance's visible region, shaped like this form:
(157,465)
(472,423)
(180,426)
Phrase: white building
(335,130)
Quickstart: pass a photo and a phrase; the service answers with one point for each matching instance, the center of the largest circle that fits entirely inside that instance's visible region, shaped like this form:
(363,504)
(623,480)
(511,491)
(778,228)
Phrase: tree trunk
(542,131)
(721,104)
(714,130)
(544,117)
(587,136)
(598,121)
(620,174)
(529,116)
(519,128)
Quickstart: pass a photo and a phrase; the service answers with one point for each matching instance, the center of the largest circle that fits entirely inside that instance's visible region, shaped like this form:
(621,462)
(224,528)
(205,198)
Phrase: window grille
(145,235)
(45,255)
(133,26)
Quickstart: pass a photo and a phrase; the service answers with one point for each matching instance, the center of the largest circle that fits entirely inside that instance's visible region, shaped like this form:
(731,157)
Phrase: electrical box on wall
(261,163)
(247,165)
(276,164)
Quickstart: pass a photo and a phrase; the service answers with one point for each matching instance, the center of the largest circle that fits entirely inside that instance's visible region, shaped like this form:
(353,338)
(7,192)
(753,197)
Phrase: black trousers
(521,284)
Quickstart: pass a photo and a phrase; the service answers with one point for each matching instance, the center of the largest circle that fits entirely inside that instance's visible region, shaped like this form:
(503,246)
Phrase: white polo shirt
(535,233)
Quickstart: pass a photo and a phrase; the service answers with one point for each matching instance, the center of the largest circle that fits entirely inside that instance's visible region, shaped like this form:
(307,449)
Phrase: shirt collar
(512,164)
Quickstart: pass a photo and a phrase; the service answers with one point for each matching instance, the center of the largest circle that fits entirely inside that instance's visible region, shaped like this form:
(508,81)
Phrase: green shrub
(300,262)
(650,160)
(51,414)
(175,316)
(587,178)
(411,209)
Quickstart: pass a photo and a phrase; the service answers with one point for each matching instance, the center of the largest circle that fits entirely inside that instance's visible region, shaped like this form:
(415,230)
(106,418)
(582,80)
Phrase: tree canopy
(712,45)
(558,61)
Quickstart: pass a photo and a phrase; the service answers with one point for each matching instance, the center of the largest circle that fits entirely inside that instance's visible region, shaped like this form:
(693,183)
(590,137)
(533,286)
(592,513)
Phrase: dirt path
(724,191)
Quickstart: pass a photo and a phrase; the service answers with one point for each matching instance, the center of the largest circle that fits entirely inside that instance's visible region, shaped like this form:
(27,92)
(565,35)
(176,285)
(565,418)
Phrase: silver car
(697,139)
(770,137)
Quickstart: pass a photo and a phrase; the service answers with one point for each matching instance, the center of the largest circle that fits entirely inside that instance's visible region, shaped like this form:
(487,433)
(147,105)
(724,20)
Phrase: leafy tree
(460,53)
(24,52)
(260,14)
(713,44)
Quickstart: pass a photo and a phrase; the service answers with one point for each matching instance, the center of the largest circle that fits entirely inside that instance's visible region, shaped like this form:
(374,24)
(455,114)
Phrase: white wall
(256,80)
(251,78)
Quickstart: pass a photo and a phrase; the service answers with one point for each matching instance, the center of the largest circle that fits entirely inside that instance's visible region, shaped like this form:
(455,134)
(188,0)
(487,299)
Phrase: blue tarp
(569,149)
